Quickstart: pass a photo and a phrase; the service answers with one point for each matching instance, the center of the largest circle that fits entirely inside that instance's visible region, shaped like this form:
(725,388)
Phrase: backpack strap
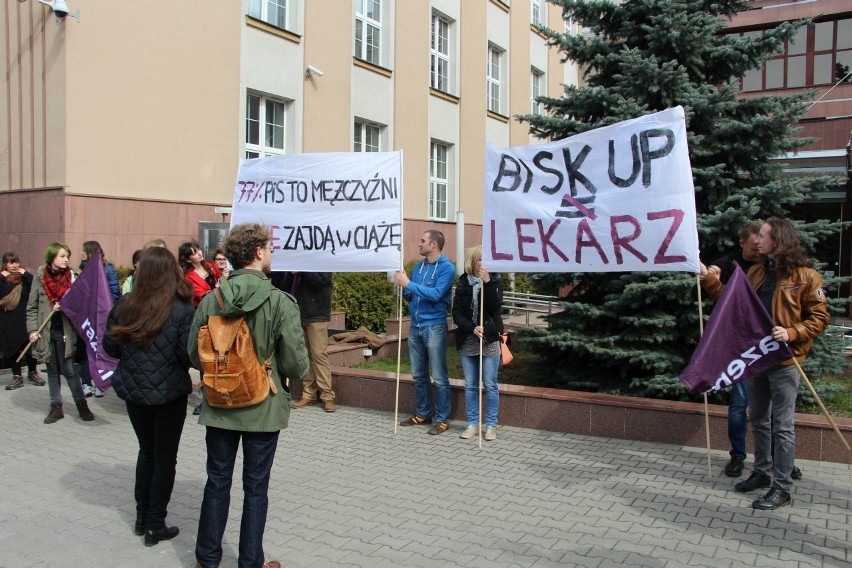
(219,299)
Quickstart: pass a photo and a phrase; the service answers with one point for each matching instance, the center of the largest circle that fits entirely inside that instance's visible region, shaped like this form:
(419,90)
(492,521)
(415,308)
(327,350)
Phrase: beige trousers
(319,377)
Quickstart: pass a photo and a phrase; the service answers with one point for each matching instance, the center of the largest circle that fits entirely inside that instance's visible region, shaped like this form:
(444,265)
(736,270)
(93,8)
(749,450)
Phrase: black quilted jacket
(158,373)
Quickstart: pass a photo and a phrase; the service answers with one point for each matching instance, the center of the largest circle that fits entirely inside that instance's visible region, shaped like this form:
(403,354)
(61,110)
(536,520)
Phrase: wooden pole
(38,331)
(822,406)
(398,357)
(706,409)
(481,343)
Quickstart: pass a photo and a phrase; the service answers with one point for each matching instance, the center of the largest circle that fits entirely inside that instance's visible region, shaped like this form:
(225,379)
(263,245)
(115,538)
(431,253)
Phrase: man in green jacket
(273,321)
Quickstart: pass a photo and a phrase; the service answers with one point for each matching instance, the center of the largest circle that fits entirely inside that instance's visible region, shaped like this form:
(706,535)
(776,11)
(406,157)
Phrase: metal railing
(514,302)
(845,333)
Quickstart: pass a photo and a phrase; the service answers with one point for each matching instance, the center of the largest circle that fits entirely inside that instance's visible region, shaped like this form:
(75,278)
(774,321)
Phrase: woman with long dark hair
(147,332)
(15,286)
(199,272)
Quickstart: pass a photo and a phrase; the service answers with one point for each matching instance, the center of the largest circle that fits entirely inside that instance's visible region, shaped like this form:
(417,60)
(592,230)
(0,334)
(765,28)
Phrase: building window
(438,180)
(797,66)
(270,11)
(440,52)
(493,79)
(536,90)
(537,12)
(367,137)
(265,126)
(368,30)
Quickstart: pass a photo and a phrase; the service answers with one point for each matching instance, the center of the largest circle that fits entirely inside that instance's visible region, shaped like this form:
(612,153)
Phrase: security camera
(60,8)
(311,71)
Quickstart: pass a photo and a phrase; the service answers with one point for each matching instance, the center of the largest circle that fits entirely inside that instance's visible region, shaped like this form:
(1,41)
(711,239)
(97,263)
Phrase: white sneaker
(491,433)
(98,393)
(470,432)
(88,390)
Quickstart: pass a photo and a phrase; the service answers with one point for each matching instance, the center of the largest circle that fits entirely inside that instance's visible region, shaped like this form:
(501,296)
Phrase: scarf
(56,283)
(475,283)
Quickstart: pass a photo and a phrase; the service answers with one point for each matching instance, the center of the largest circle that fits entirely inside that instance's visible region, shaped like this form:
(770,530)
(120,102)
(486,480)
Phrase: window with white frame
(440,53)
(265,126)
(439,181)
(270,11)
(367,137)
(368,30)
(536,90)
(493,78)
(537,12)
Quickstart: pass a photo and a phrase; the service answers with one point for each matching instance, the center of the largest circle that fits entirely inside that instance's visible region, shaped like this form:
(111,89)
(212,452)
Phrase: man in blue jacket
(429,291)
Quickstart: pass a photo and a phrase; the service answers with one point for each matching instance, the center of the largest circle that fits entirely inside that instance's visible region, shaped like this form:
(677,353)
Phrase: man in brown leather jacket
(792,292)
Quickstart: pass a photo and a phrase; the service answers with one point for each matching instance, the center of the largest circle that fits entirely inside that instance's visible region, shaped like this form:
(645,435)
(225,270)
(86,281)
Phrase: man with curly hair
(273,321)
(792,292)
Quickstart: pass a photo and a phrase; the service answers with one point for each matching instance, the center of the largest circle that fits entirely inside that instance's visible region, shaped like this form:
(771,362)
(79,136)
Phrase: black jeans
(158,429)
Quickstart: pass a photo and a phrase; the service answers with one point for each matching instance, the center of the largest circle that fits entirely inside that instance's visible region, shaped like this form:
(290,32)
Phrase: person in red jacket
(199,272)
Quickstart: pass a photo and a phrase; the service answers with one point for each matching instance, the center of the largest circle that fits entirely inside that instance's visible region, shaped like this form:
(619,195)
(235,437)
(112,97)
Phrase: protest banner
(87,305)
(332,212)
(614,199)
(737,343)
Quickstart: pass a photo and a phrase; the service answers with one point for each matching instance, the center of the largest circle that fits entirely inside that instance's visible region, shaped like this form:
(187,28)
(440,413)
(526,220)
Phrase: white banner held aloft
(614,199)
(332,212)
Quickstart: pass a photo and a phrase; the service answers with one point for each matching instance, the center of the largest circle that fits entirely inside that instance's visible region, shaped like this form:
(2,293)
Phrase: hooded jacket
(273,321)
(429,291)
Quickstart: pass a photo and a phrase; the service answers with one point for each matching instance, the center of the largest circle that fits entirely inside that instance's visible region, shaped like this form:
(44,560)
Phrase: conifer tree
(634,332)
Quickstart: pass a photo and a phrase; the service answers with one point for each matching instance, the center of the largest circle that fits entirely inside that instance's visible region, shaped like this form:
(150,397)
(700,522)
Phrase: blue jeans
(490,367)
(772,408)
(258,454)
(738,420)
(427,347)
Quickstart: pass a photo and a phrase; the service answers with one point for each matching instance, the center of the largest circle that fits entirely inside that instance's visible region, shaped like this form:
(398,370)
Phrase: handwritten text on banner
(615,199)
(333,212)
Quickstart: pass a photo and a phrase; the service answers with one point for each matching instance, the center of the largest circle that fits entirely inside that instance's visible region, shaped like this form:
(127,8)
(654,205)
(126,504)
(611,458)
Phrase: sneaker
(439,428)
(772,500)
(99,393)
(303,402)
(491,433)
(734,467)
(416,421)
(17,382)
(88,390)
(329,406)
(470,432)
(35,378)
(271,564)
(754,481)
(797,473)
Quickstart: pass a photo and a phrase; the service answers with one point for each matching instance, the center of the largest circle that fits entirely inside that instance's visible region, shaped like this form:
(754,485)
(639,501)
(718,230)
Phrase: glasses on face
(220,259)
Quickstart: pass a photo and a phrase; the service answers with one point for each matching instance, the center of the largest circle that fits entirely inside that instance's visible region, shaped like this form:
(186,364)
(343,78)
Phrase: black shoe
(773,499)
(153,536)
(139,526)
(734,467)
(754,481)
(797,473)
(196,411)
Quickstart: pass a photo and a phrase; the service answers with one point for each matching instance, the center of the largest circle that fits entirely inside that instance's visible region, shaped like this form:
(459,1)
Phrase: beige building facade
(130,124)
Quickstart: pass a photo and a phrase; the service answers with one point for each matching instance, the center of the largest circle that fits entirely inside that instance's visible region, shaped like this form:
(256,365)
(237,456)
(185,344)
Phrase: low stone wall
(607,416)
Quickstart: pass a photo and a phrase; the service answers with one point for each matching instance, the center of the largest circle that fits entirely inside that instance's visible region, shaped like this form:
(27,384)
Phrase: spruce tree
(634,332)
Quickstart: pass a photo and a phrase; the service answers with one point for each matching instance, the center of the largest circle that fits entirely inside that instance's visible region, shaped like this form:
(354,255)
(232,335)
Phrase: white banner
(614,199)
(334,212)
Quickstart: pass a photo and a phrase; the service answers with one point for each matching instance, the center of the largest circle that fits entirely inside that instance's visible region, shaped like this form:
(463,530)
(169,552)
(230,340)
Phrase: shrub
(368,299)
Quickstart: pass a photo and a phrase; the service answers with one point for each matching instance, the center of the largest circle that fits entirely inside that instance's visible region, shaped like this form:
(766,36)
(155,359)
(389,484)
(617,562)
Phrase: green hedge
(368,299)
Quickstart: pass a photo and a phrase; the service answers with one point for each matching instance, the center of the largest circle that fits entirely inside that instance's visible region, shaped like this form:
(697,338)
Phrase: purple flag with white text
(87,305)
(737,343)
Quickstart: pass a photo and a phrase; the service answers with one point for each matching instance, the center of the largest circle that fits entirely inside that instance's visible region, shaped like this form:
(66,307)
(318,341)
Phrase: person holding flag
(55,346)
(792,292)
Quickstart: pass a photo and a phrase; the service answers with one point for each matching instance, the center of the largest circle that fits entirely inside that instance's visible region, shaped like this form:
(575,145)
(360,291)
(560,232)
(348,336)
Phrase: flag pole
(481,343)
(821,405)
(398,356)
(706,409)
(38,331)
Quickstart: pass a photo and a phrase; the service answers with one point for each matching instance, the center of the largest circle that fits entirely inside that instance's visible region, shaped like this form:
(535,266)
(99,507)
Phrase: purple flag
(87,305)
(737,343)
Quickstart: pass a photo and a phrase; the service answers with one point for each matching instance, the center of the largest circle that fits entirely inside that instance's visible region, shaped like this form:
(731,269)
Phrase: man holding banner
(792,293)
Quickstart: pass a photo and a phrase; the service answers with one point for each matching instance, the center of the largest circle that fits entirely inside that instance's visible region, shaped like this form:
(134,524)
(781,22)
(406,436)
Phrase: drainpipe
(459,242)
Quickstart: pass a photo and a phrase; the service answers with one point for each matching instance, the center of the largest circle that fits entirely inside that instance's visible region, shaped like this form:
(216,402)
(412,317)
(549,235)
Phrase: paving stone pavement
(347,491)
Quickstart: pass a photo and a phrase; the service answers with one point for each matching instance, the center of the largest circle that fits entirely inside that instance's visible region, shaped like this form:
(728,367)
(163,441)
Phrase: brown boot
(83,409)
(17,382)
(303,403)
(55,413)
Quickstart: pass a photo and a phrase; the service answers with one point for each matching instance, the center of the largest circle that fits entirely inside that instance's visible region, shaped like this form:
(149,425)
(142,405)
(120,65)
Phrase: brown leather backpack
(233,375)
